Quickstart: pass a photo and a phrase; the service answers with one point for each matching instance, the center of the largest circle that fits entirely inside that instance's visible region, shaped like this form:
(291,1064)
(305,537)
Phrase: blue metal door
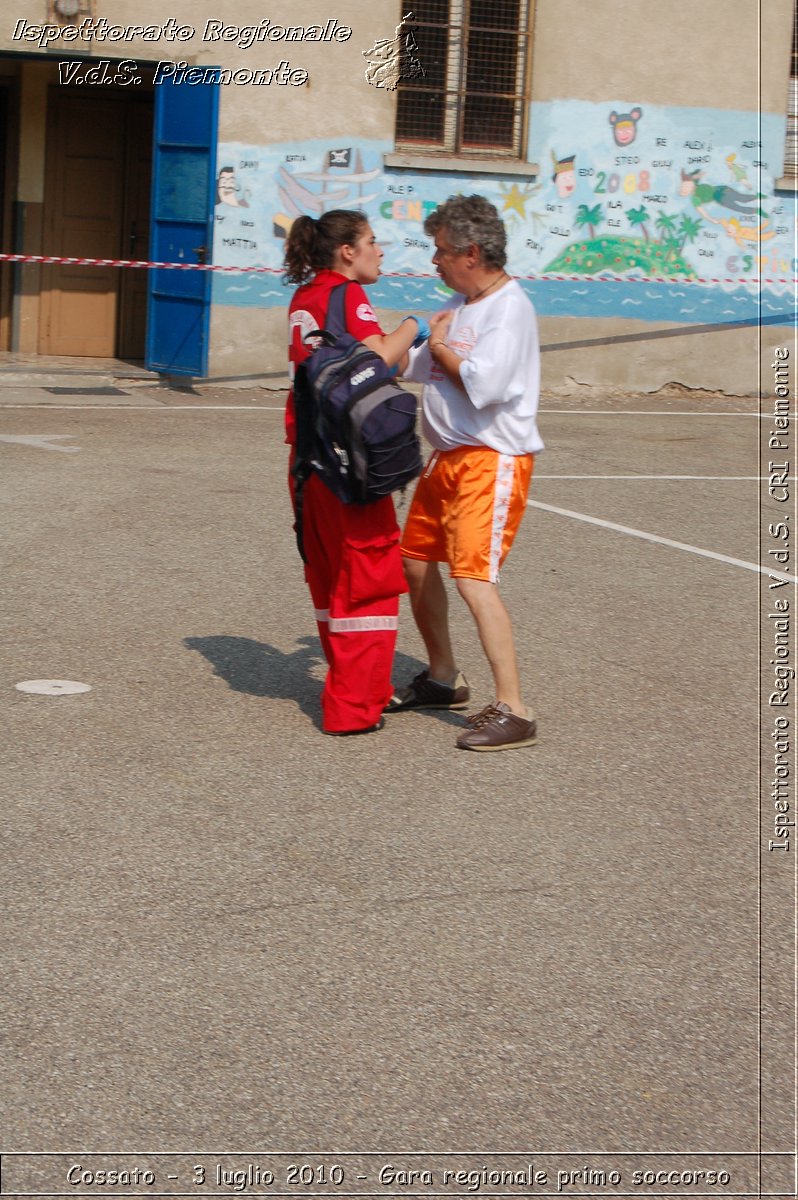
(183,185)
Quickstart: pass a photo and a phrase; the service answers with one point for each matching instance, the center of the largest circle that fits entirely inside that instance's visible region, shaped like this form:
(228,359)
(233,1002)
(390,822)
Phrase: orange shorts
(467,509)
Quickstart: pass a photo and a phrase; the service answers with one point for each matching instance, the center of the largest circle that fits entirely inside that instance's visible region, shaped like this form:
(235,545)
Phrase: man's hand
(439,325)
(446,358)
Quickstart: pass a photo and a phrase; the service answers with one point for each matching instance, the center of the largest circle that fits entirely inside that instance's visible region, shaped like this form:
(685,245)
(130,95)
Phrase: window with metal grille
(473,95)
(791,148)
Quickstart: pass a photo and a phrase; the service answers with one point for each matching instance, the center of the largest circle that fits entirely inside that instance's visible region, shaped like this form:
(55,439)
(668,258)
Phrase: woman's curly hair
(311,244)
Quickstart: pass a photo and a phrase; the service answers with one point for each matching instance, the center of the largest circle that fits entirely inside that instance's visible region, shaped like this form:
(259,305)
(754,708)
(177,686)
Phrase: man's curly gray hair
(471,221)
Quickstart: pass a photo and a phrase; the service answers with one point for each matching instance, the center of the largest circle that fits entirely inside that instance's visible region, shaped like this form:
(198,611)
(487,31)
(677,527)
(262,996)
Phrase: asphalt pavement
(225,931)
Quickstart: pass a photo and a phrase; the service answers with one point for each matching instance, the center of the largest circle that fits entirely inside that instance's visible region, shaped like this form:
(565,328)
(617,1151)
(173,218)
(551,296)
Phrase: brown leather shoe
(497,727)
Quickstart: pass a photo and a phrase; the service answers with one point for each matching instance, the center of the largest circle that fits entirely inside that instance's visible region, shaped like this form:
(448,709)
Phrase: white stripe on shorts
(505,475)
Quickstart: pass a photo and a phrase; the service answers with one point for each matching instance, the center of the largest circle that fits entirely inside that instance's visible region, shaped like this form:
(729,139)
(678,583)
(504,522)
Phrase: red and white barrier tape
(52,259)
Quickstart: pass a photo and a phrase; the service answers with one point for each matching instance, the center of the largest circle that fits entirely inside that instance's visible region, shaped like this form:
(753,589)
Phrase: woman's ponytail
(311,245)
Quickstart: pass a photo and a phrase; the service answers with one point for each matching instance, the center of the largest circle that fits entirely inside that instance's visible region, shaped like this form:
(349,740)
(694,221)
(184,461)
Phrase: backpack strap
(335,321)
(300,479)
(303,449)
(334,326)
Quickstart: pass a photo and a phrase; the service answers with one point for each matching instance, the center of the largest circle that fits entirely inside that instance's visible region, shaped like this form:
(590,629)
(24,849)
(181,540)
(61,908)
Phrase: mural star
(516,199)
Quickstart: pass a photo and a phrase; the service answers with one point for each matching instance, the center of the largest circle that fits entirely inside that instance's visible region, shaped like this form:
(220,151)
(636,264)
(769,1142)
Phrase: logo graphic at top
(392,59)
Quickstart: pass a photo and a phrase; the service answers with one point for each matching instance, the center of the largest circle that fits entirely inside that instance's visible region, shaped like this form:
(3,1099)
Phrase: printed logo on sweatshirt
(463,340)
(306,323)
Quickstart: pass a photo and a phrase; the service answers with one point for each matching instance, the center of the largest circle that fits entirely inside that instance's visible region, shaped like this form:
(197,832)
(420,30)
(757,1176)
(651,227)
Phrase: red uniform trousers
(354,571)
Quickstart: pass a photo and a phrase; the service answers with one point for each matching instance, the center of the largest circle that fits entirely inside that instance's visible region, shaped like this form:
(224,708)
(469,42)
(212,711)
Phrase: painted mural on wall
(682,199)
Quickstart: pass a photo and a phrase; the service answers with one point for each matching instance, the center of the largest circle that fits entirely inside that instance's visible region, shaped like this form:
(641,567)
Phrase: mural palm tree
(688,228)
(665,224)
(639,216)
(590,217)
(672,248)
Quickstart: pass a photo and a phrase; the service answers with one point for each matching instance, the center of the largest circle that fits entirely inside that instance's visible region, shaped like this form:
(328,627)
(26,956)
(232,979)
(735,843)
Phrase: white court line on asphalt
(161,408)
(630,412)
(700,478)
(41,441)
(653,537)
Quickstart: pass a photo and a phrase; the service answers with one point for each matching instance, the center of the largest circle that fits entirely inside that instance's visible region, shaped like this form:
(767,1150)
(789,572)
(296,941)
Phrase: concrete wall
(710,79)
(700,53)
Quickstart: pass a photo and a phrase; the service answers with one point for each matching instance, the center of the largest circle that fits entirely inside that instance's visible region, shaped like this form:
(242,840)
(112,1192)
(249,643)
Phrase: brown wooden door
(96,190)
(7,191)
(135,231)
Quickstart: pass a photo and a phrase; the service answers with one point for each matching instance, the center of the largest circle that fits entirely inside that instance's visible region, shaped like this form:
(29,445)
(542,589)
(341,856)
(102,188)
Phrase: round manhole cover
(53,687)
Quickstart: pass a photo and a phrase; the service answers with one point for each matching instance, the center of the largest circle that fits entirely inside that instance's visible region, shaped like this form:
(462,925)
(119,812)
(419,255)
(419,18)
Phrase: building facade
(642,157)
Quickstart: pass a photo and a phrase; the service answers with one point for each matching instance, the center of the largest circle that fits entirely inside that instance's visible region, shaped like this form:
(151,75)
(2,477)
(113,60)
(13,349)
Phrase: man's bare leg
(430,605)
(496,634)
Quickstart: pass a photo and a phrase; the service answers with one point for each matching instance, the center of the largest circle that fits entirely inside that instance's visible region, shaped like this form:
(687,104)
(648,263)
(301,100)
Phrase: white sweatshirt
(498,338)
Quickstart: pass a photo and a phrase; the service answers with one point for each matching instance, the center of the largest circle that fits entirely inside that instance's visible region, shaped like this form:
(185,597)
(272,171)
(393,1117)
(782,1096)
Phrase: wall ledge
(466,166)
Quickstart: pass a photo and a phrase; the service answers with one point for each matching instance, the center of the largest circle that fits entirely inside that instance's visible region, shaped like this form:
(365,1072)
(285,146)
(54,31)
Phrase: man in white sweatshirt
(481,371)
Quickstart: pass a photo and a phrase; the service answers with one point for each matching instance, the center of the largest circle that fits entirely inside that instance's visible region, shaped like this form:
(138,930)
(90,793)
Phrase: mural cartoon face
(564,174)
(566,183)
(688,181)
(624,126)
(227,188)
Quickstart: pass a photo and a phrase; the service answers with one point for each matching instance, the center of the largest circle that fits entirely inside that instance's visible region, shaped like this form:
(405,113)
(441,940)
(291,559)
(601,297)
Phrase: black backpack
(355,427)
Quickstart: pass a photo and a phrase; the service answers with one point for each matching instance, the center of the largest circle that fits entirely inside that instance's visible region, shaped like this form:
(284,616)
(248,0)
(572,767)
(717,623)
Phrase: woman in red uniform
(354,568)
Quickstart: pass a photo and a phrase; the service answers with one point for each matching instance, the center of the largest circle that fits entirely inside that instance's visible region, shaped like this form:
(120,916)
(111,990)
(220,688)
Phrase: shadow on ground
(258,669)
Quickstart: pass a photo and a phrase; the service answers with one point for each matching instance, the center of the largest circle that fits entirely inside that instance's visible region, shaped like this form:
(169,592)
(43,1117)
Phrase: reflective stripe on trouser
(354,571)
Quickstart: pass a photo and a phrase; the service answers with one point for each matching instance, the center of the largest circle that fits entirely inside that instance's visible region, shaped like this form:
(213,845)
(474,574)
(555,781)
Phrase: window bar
(791,144)
(455,68)
(495,98)
(519,114)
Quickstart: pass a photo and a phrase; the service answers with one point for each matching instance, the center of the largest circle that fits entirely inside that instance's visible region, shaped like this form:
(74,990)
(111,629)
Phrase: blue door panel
(180,115)
(179,243)
(183,196)
(184,183)
(185,319)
